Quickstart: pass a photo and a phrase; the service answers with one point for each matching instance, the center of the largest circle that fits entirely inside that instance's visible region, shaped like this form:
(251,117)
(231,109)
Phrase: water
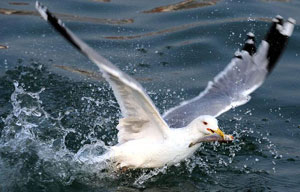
(58,115)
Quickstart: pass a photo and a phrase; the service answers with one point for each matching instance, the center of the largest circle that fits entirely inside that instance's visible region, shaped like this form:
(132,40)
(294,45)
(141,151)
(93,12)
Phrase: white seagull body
(151,150)
(145,138)
(149,153)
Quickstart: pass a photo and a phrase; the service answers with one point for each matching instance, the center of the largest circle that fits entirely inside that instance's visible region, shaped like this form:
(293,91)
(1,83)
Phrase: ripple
(3,47)
(188,26)
(102,1)
(284,1)
(98,76)
(187,4)
(5,11)
(18,3)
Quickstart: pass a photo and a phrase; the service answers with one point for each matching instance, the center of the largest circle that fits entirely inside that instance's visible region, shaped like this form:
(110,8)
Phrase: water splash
(35,140)
(67,143)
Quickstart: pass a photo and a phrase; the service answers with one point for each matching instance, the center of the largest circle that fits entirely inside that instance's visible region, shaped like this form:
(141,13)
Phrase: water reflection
(190,25)
(86,73)
(187,4)
(17,12)
(285,1)
(69,17)
(98,76)
(18,3)
(3,47)
(103,1)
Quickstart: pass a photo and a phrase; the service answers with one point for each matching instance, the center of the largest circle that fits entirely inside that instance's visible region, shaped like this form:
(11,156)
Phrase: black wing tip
(250,44)
(42,10)
(291,20)
(251,35)
(50,18)
(56,23)
(281,27)
(277,38)
(279,19)
(47,15)
(238,55)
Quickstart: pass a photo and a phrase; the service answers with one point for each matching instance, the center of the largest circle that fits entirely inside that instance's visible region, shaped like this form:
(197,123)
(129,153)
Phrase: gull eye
(204,122)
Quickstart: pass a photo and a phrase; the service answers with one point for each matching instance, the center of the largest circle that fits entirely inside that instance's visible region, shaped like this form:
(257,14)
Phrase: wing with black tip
(243,75)
(141,119)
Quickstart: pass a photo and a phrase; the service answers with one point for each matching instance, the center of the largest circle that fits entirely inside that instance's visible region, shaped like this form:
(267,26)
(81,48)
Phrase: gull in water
(147,139)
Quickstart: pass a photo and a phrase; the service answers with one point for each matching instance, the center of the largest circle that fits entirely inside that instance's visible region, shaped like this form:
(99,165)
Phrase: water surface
(58,115)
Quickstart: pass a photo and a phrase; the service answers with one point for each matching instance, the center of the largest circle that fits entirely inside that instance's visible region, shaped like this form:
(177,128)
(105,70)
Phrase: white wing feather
(141,118)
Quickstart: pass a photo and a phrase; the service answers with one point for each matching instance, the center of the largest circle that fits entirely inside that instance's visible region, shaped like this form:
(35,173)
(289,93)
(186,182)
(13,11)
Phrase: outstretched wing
(244,74)
(141,118)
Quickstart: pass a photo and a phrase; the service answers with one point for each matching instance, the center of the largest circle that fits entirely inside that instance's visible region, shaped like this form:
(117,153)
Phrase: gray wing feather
(244,74)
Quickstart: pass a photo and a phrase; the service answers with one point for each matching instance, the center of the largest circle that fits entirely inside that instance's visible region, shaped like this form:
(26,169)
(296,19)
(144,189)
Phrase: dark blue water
(58,114)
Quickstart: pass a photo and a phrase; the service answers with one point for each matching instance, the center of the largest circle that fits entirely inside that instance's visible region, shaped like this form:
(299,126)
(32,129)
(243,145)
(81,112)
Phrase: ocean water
(58,115)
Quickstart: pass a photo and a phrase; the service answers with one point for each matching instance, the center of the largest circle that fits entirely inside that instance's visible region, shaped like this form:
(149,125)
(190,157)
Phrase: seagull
(147,139)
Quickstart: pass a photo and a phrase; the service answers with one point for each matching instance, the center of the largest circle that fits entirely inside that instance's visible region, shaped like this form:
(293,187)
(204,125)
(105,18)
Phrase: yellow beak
(211,137)
(219,132)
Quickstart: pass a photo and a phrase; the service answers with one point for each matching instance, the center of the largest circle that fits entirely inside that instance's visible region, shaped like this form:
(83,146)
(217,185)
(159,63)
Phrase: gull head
(204,126)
